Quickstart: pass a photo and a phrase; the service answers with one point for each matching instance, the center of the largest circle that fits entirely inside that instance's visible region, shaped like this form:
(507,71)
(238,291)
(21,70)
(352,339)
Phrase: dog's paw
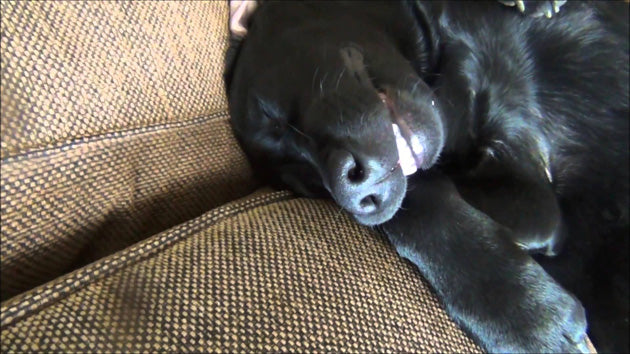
(567,332)
(536,8)
(547,320)
(564,333)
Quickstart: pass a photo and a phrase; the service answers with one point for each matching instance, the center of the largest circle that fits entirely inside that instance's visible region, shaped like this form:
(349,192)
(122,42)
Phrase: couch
(132,221)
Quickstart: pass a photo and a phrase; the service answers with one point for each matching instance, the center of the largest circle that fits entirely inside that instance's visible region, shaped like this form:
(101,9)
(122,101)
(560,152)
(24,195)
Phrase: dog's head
(329,98)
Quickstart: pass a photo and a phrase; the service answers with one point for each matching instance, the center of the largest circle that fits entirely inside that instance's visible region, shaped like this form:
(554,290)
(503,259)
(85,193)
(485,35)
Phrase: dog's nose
(355,181)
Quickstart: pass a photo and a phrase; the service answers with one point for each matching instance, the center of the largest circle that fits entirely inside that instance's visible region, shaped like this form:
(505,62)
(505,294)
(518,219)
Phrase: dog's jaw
(411,149)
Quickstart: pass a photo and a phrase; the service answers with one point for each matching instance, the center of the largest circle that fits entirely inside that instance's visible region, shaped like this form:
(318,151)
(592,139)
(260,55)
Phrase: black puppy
(518,127)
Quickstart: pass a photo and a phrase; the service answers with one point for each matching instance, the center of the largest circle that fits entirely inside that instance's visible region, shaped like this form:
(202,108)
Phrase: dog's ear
(240,13)
(428,25)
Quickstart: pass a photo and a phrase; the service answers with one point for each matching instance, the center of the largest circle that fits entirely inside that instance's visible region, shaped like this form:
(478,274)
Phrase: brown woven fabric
(73,205)
(269,273)
(75,69)
(113,129)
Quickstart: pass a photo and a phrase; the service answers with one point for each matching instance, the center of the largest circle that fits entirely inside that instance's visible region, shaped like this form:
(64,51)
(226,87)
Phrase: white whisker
(321,85)
(339,79)
(415,86)
(313,80)
(300,132)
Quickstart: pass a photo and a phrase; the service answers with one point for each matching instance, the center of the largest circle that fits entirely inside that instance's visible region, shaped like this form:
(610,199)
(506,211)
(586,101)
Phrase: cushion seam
(73,144)
(41,297)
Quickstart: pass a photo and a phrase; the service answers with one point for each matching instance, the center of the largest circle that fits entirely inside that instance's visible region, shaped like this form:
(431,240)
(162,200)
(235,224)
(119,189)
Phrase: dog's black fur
(524,128)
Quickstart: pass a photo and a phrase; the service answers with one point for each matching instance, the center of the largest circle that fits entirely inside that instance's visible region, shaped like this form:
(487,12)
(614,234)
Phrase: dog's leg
(500,159)
(515,191)
(489,286)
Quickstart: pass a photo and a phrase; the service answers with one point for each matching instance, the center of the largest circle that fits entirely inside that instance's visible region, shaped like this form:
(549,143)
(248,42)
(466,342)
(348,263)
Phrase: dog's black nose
(355,181)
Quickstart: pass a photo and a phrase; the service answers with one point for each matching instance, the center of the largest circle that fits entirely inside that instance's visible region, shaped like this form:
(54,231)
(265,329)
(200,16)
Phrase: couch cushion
(76,69)
(70,206)
(266,273)
(114,128)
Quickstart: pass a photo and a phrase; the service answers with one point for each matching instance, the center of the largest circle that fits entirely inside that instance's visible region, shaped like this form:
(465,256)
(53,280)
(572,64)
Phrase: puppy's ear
(240,12)
(428,26)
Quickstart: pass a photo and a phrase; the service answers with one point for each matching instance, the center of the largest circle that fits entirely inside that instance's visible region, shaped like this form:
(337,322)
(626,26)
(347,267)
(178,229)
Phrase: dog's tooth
(405,156)
(416,146)
(557,4)
(396,130)
(408,170)
(521,5)
(556,8)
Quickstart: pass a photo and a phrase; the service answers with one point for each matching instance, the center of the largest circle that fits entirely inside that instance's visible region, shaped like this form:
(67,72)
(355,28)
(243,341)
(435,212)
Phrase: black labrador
(490,146)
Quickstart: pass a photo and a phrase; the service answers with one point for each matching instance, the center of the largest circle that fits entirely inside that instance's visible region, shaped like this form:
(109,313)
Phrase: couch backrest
(114,127)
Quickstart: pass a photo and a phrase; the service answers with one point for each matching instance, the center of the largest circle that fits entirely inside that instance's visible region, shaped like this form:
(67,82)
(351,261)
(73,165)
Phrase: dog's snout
(369,204)
(356,174)
(347,169)
(357,181)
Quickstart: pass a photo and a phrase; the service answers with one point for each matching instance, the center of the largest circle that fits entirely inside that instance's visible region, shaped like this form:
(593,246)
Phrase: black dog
(518,127)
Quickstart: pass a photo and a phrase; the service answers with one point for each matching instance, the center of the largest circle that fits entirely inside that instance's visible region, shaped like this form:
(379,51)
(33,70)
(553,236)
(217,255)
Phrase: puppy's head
(328,98)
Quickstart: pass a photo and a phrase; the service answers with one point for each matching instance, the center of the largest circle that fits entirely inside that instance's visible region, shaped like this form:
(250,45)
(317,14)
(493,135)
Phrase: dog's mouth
(414,117)
(411,150)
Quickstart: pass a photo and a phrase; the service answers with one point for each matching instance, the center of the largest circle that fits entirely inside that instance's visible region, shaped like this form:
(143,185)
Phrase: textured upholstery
(266,273)
(111,66)
(114,128)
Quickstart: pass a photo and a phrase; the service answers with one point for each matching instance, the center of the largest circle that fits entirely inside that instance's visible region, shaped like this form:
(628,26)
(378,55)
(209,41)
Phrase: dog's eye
(273,120)
(277,130)
(275,126)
